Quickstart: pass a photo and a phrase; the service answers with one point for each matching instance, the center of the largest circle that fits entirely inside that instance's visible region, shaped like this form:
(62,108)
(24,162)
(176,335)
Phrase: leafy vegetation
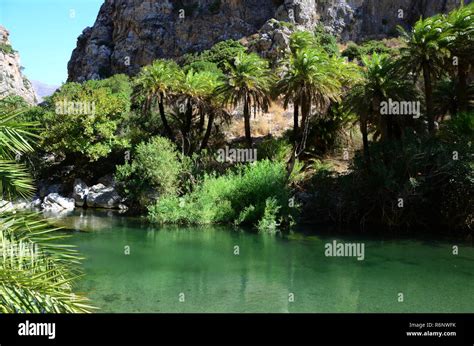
(36,273)
(251,195)
(83,121)
(154,172)
(6,48)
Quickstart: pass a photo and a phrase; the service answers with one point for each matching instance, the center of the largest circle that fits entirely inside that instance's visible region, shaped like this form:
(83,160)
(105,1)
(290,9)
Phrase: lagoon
(223,269)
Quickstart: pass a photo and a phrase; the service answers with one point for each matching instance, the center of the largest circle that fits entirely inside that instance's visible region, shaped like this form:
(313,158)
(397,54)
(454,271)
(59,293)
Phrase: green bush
(269,222)
(252,195)
(155,171)
(6,48)
(326,40)
(352,51)
(220,54)
(328,132)
(355,51)
(275,149)
(12,103)
(85,120)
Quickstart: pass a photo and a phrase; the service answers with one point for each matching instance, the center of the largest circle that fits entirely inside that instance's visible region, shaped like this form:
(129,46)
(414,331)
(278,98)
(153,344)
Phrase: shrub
(154,171)
(355,51)
(12,103)
(328,132)
(275,149)
(6,48)
(326,40)
(352,51)
(252,195)
(268,223)
(220,54)
(93,132)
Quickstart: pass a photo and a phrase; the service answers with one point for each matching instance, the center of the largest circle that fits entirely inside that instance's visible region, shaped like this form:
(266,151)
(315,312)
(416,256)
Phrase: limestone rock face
(12,80)
(129,34)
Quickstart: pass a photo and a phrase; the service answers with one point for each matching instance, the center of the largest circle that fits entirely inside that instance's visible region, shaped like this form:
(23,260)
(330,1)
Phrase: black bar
(290,329)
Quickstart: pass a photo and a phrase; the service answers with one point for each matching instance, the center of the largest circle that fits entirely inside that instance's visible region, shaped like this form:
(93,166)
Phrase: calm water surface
(200,262)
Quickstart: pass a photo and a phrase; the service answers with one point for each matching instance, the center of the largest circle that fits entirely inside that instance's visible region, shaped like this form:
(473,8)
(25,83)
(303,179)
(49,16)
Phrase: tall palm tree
(249,82)
(311,78)
(154,84)
(380,81)
(424,52)
(459,38)
(36,273)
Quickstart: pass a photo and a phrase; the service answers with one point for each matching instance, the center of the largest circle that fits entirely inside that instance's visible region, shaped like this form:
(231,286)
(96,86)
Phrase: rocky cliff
(131,33)
(12,80)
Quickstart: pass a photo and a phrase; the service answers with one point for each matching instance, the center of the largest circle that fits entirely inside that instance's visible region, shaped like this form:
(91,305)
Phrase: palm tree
(36,273)
(425,53)
(196,94)
(459,38)
(248,81)
(154,84)
(380,81)
(311,78)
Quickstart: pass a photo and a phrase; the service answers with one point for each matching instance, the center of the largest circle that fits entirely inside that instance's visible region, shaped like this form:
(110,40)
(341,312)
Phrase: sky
(45,33)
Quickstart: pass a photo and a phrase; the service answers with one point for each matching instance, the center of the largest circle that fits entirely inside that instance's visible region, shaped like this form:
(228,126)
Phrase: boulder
(44,189)
(80,192)
(55,202)
(107,180)
(101,196)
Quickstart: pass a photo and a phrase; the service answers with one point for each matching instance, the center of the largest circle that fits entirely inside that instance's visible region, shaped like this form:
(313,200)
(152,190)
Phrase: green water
(165,263)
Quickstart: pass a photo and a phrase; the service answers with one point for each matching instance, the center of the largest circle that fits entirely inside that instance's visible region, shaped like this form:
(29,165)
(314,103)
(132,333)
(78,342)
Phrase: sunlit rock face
(129,34)
(12,80)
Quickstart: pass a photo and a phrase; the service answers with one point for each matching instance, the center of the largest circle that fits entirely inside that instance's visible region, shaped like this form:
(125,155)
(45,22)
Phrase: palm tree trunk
(201,120)
(248,134)
(161,106)
(462,87)
(295,120)
(365,139)
(187,127)
(207,135)
(306,104)
(429,97)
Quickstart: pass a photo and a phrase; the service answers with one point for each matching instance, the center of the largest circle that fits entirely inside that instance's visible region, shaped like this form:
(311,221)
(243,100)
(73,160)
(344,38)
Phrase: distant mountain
(43,90)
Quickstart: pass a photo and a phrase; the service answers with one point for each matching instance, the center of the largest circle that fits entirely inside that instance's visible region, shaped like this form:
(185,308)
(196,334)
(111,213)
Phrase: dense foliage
(84,120)
(154,172)
(255,195)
